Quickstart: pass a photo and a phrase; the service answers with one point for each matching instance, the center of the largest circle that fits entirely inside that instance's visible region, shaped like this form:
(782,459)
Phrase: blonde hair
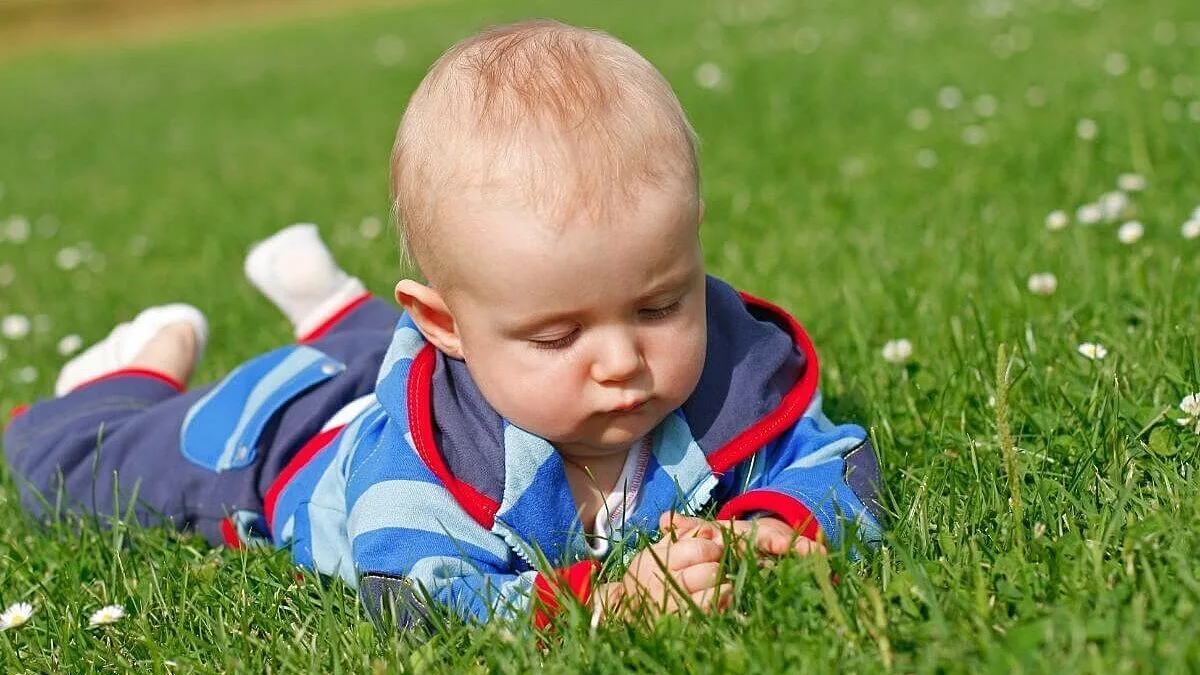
(574,120)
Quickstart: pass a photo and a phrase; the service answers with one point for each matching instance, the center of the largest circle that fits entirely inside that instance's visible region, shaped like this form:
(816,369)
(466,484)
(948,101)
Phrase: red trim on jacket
(298,461)
(333,319)
(578,580)
(787,508)
(135,372)
(17,411)
(480,507)
(790,409)
(229,534)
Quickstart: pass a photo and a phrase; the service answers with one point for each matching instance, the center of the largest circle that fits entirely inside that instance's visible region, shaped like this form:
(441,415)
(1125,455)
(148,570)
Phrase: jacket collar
(758,377)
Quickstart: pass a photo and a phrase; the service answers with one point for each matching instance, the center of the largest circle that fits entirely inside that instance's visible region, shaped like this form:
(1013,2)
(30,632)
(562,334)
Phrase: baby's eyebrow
(539,321)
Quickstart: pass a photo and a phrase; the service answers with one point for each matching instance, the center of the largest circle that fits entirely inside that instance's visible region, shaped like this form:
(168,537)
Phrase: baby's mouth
(630,407)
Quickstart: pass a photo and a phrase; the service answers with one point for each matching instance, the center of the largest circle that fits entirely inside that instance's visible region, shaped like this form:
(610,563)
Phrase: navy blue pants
(112,447)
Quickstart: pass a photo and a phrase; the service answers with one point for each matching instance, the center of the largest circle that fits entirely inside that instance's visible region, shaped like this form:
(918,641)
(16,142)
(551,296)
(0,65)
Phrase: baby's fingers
(679,526)
(808,546)
(711,599)
(688,552)
(699,577)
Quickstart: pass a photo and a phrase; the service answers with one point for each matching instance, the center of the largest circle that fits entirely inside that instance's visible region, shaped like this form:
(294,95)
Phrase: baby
(565,377)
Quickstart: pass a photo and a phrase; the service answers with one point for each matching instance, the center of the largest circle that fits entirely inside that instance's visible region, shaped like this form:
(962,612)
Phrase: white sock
(295,270)
(125,341)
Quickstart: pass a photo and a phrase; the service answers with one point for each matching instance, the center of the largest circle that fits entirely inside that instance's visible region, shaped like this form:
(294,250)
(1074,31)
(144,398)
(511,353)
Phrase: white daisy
(68,258)
(14,326)
(1042,283)
(1164,32)
(16,615)
(17,229)
(69,344)
(949,97)
(920,118)
(106,615)
(1172,111)
(1089,214)
(1057,220)
(1114,204)
(897,351)
(974,135)
(926,158)
(1087,129)
(986,105)
(138,245)
(1147,78)
(1131,232)
(708,75)
(1131,182)
(1191,229)
(1116,64)
(1190,404)
(1093,351)
(25,375)
(370,227)
(390,49)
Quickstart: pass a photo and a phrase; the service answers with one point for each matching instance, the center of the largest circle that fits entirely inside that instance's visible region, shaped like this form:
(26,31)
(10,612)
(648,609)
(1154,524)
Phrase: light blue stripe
(417,505)
(406,343)
(295,363)
(758,464)
(327,511)
(679,455)
(436,571)
(817,415)
(828,453)
(515,596)
(524,455)
(330,549)
(285,533)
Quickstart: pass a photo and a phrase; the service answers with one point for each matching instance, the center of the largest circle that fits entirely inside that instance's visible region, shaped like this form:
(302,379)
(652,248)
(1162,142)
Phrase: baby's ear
(433,318)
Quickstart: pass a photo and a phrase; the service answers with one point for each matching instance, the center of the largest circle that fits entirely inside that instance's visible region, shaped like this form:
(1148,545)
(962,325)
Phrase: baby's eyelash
(560,343)
(661,312)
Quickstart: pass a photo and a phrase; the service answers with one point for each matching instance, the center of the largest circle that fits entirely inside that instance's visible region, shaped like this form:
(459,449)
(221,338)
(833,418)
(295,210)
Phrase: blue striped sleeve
(402,522)
(818,477)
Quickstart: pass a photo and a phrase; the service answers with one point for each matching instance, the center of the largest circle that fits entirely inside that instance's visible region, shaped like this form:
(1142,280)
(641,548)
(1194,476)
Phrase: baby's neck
(592,478)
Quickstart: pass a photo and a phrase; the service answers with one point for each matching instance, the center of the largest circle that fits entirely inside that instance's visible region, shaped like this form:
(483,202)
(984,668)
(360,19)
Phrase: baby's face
(586,334)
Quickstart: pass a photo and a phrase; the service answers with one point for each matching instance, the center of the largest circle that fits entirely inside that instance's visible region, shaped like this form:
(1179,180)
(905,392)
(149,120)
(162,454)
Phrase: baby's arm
(814,478)
(413,543)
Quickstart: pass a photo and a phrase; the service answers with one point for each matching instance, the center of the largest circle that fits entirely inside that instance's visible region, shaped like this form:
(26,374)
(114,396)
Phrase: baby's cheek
(684,363)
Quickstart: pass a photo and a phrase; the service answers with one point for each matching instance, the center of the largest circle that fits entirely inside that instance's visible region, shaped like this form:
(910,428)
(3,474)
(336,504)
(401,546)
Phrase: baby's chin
(618,435)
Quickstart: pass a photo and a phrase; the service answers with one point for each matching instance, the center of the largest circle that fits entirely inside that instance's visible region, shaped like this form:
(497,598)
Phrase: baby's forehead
(506,252)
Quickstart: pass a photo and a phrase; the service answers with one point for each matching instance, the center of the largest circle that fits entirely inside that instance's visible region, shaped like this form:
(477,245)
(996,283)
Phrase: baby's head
(546,185)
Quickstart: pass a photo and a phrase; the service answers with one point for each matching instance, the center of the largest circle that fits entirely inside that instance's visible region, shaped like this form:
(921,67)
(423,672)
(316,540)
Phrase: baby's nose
(619,360)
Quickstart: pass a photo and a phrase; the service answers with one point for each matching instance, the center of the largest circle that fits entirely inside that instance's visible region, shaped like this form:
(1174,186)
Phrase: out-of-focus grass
(160,164)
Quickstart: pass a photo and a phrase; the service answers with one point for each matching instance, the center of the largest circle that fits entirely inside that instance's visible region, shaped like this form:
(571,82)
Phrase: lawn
(883,170)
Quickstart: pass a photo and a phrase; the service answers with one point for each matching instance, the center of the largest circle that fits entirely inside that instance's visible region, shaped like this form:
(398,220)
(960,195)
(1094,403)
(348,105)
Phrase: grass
(1052,530)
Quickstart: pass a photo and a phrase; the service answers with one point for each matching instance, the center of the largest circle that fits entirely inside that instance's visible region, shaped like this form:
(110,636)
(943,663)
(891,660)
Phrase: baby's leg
(171,353)
(109,440)
(297,272)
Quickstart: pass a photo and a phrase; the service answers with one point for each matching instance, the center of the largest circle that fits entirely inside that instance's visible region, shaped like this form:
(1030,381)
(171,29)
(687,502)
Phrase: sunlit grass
(884,171)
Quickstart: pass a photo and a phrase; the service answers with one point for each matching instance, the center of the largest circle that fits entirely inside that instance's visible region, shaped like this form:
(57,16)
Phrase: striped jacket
(427,491)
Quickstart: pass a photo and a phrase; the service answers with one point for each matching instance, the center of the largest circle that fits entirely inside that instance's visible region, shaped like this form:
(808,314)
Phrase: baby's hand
(767,535)
(677,569)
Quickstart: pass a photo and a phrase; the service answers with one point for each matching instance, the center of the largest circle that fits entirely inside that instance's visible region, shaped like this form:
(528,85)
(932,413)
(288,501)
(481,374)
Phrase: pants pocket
(222,430)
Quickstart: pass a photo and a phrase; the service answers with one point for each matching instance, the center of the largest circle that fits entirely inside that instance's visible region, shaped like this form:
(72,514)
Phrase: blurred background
(917,181)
